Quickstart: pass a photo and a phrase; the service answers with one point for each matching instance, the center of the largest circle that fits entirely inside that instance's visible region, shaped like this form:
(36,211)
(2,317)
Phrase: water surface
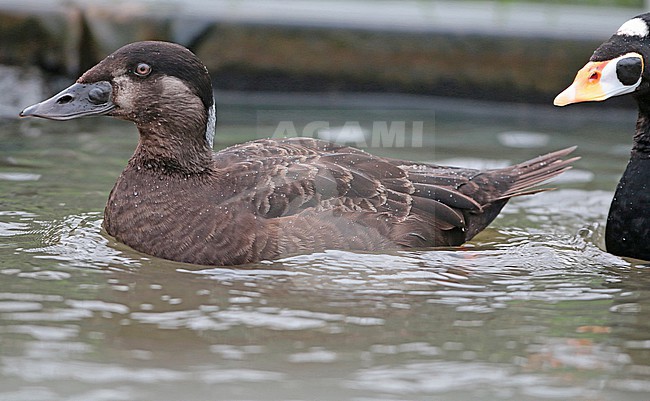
(531,309)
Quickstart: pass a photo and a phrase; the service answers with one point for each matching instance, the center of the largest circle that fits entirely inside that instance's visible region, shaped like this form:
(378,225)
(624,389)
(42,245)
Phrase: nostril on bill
(65,99)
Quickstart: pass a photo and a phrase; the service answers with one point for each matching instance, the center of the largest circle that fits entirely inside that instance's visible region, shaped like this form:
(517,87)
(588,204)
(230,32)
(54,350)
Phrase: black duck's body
(628,223)
(628,226)
(621,66)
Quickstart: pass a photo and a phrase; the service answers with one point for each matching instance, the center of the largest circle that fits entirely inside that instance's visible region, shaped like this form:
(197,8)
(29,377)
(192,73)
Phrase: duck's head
(150,83)
(619,66)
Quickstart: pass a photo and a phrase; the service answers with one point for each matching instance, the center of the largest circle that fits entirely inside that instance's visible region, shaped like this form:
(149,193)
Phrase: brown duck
(269,198)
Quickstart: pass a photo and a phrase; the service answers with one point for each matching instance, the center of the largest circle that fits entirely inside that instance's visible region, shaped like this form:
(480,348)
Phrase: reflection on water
(532,309)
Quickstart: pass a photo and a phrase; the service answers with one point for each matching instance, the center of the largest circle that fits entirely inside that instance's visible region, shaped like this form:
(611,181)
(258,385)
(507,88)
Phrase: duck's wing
(286,176)
(491,189)
(414,204)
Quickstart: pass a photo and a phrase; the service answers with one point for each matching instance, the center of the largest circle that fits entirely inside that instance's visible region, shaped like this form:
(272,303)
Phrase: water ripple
(44,333)
(19,223)
(16,306)
(34,370)
(12,229)
(77,240)
(463,379)
(15,176)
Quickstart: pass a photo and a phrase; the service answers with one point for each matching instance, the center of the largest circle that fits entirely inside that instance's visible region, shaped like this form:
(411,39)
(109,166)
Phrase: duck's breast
(186,219)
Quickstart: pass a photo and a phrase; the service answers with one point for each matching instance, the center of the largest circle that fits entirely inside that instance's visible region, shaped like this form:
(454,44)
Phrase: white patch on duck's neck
(209,128)
(173,86)
(634,27)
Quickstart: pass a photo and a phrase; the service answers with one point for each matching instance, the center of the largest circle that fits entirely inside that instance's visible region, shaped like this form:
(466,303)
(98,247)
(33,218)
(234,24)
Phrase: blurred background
(521,51)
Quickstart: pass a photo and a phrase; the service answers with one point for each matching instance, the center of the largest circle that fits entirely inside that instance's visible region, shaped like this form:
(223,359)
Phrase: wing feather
(412,204)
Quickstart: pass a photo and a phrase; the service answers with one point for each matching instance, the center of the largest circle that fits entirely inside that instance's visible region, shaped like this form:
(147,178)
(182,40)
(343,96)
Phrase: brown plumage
(273,197)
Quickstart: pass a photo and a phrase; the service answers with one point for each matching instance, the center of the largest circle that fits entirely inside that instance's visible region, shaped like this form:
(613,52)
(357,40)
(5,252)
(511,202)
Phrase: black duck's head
(153,84)
(619,66)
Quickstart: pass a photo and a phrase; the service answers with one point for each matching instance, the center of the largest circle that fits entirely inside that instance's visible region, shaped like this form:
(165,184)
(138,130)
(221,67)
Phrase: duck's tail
(527,175)
(499,185)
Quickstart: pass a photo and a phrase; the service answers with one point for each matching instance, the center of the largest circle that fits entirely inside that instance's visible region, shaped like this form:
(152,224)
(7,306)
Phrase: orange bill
(600,80)
(586,86)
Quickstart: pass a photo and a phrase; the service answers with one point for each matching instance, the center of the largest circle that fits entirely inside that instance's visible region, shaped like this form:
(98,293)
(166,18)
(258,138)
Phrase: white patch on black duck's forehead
(634,27)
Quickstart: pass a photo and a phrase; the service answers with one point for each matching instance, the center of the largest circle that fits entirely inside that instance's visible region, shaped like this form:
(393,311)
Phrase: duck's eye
(142,70)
